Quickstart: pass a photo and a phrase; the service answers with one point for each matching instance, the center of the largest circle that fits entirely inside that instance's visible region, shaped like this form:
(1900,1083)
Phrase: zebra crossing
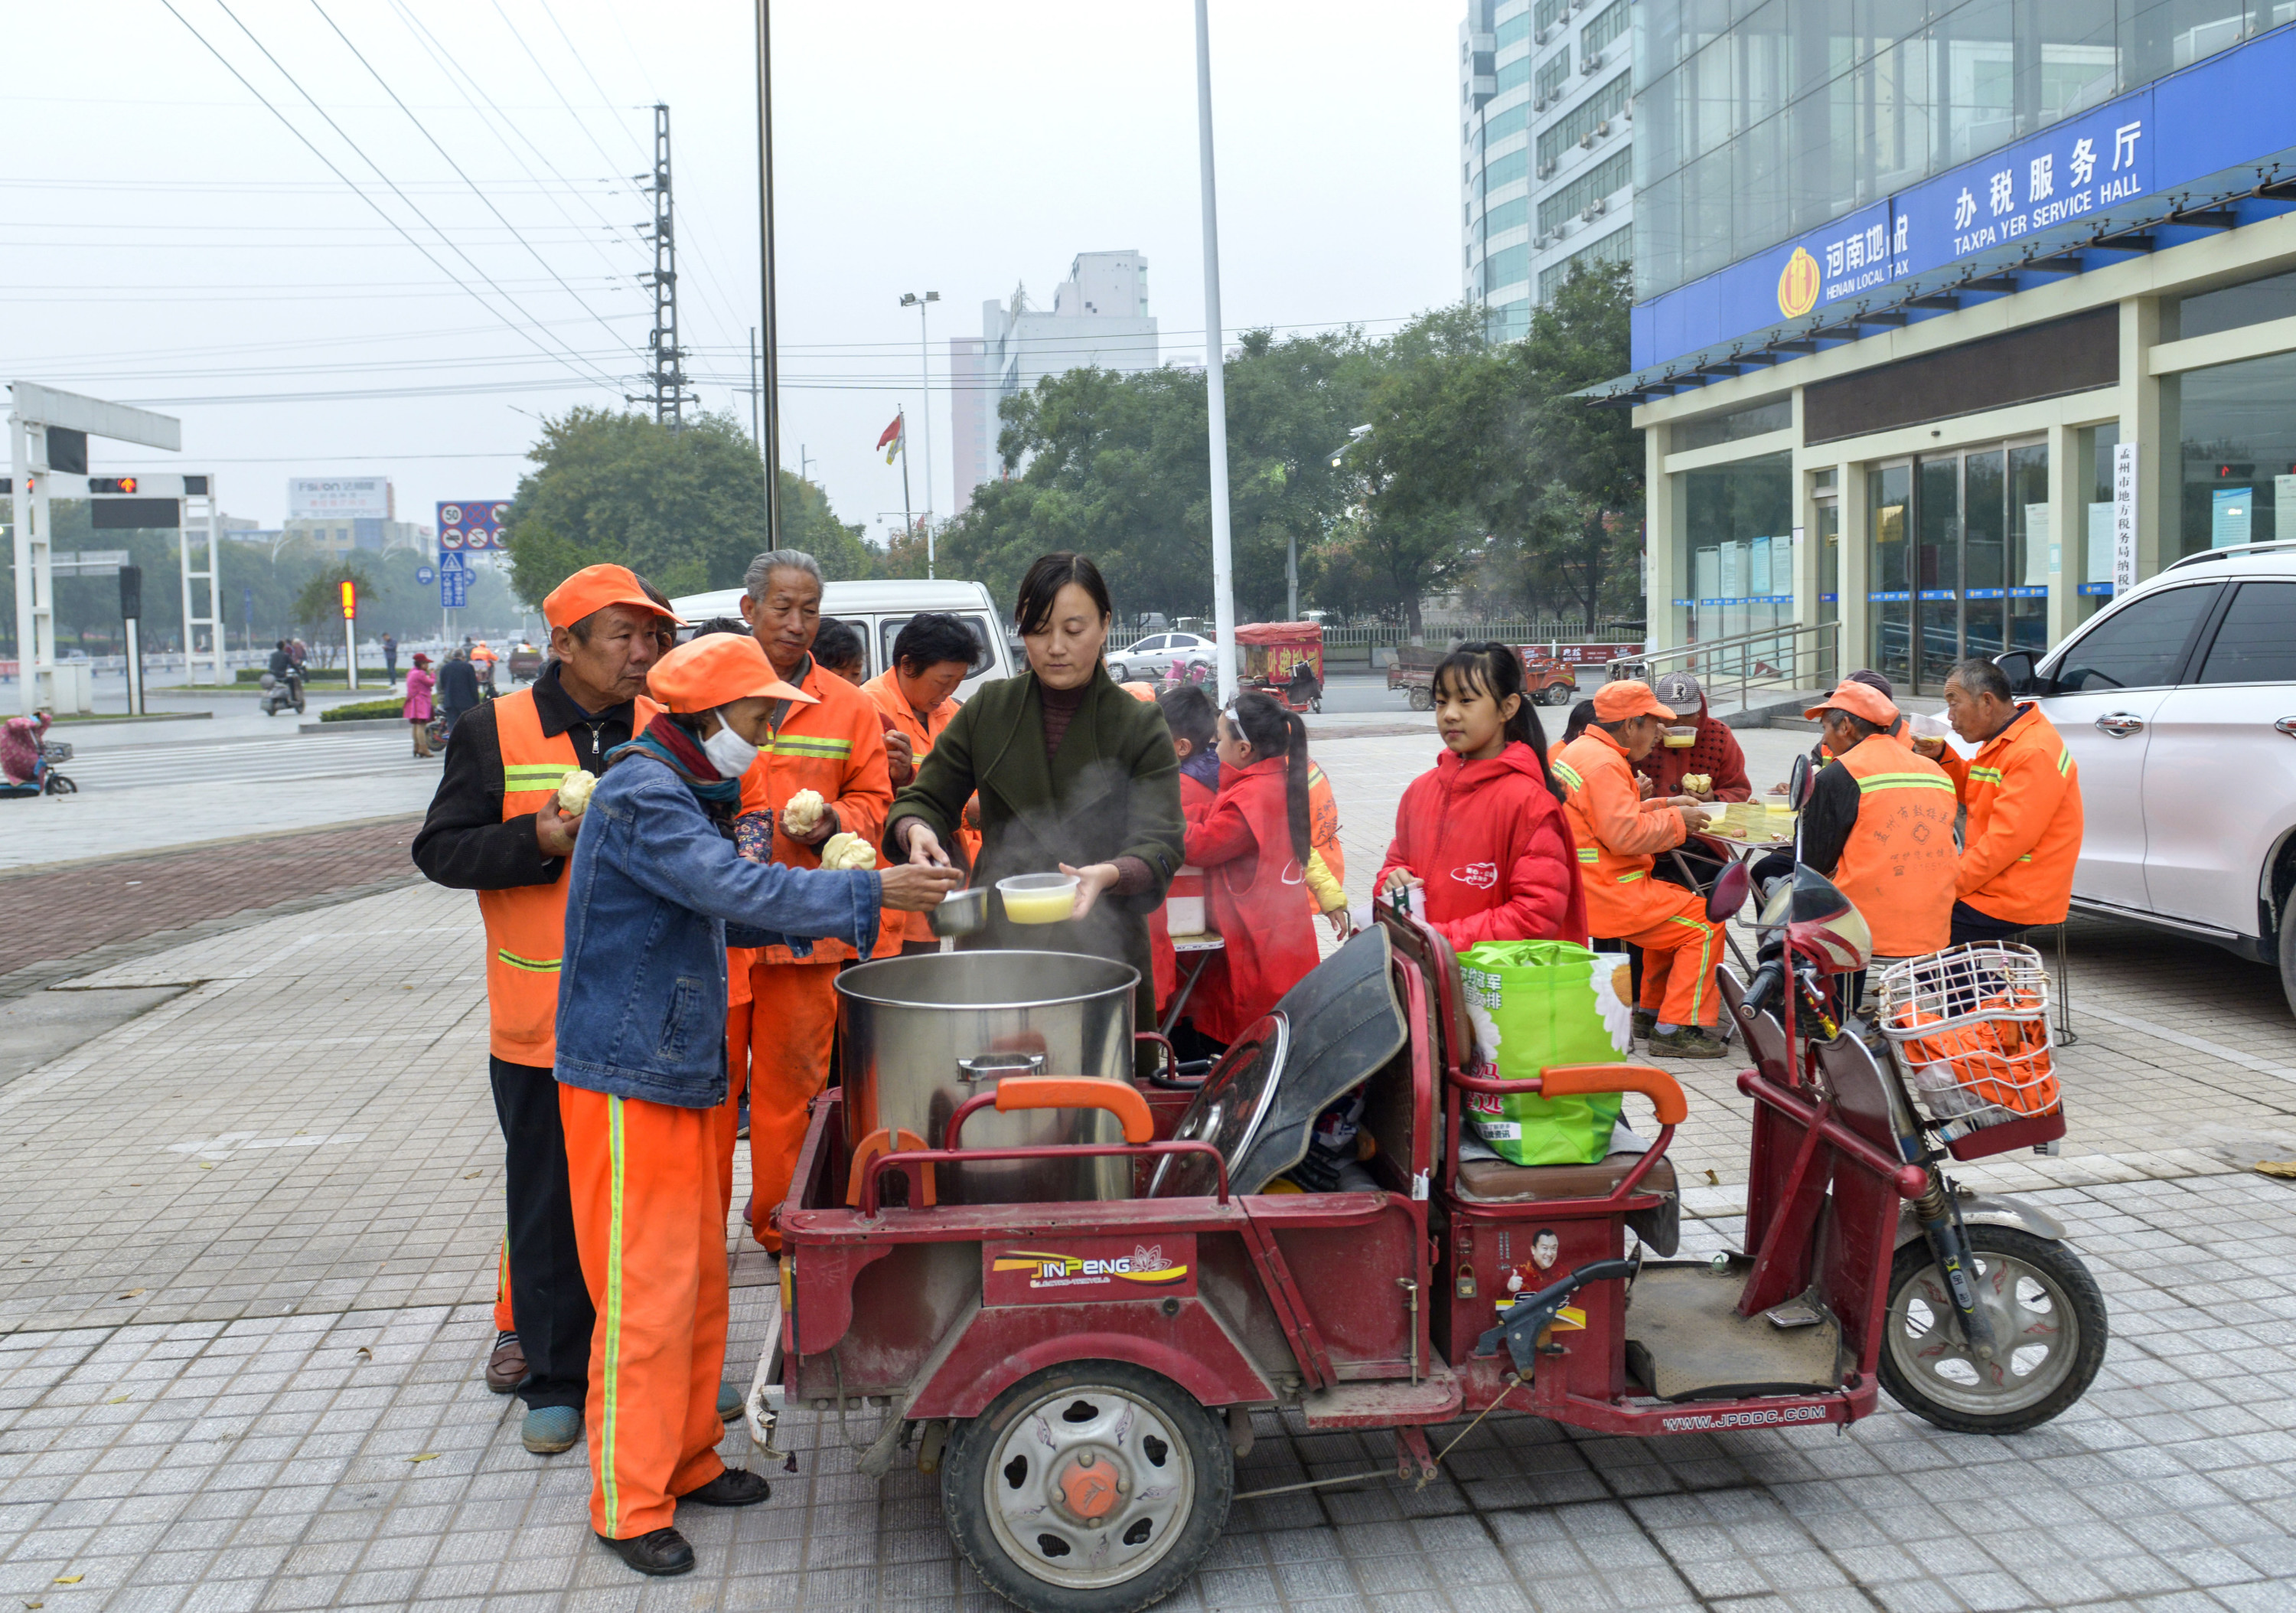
(289,759)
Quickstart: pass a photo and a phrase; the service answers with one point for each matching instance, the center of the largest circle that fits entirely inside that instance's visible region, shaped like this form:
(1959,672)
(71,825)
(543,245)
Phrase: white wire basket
(1970,1028)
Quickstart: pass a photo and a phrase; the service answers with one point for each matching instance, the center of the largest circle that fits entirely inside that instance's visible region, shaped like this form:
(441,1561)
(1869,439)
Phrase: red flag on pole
(891,441)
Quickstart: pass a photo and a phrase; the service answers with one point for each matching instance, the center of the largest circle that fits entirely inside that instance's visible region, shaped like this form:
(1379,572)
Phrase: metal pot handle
(995,1066)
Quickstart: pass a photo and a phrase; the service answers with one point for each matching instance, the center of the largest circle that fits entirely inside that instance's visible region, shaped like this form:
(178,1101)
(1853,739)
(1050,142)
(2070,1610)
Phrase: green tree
(1424,464)
(685,509)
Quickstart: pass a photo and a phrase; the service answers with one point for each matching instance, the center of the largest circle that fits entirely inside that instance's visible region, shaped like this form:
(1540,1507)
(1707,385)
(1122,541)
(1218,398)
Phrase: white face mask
(729,751)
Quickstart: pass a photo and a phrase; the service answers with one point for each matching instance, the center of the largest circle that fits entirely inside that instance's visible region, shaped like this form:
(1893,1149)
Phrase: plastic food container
(1038,898)
(1183,904)
(1681,739)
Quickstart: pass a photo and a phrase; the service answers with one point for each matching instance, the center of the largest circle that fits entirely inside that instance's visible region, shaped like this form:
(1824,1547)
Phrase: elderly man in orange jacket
(2022,790)
(915,696)
(835,749)
(1620,835)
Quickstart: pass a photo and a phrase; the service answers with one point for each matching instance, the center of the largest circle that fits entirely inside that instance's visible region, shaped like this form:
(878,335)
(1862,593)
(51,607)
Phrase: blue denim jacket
(653,897)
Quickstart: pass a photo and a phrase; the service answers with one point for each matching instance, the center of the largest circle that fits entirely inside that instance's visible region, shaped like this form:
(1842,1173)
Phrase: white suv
(2179,701)
(1153,656)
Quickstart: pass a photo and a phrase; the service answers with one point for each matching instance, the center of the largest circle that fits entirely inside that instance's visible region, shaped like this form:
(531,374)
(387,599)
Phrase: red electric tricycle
(1082,1375)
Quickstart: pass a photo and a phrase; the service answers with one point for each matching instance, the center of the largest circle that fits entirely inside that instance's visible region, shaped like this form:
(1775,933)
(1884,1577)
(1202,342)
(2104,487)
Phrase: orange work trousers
(793,1021)
(1680,950)
(727,1117)
(652,1241)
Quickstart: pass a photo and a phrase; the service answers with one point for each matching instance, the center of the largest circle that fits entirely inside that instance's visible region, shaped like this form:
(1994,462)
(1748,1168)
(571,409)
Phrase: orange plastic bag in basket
(2004,1062)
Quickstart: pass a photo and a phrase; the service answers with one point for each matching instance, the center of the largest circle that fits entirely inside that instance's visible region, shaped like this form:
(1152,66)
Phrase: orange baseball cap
(1860,700)
(592,590)
(717,668)
(1617,702)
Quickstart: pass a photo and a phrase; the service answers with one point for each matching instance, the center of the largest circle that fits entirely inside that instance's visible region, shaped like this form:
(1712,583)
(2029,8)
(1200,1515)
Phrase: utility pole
(1215,372)
(772,350)
(753,391)
(804,464)
(665,359)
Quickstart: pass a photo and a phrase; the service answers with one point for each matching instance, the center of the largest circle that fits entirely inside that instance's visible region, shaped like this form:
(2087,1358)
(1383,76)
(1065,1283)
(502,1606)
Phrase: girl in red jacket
(1193,719)
(1253,847)
(1483,833)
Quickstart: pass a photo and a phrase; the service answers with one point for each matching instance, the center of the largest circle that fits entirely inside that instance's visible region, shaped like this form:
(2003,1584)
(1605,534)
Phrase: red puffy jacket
(1195,800)
(1494,849)
(1255,897)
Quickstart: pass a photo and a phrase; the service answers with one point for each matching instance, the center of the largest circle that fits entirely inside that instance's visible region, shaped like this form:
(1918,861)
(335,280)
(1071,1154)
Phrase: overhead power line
(380,210)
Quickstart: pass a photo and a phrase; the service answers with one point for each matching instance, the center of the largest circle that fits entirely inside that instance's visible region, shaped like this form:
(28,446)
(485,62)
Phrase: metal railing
(1804,655)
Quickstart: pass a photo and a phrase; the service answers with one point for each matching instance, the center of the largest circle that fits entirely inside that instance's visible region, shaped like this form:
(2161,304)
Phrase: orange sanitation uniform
(641,1175)
(884,692)
(2023,837)
(836,748)
(1617,842)
(1897,864)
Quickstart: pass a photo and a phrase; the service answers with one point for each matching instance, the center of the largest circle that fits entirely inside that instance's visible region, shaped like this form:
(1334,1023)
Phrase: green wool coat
(1113,790)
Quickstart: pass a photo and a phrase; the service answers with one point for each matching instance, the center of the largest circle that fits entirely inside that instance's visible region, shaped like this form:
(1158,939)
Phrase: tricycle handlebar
(1587,1080)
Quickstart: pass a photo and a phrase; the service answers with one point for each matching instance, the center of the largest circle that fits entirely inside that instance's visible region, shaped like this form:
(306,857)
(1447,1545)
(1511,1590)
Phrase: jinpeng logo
(1146,1265)
(1798,285)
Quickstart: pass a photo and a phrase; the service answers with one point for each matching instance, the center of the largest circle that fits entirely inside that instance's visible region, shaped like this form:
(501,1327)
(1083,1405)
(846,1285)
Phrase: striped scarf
(671,743)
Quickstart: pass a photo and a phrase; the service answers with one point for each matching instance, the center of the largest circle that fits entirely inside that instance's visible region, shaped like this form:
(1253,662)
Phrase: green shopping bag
(1536,1003)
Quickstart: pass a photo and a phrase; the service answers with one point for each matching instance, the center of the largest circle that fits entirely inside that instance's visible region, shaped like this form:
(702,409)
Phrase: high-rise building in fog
(1099,316)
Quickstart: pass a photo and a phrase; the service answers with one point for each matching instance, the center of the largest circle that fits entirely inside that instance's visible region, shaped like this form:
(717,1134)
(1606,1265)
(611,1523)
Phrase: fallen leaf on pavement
(1712,1180)
(69,1579)
(426,1456)
(365,1353)
(131,1294)
(115,1400)
(2285,1168)
(206,1164)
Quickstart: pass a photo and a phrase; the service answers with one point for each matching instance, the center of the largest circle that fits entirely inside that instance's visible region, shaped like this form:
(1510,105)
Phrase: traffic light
(351,599)
(111,484)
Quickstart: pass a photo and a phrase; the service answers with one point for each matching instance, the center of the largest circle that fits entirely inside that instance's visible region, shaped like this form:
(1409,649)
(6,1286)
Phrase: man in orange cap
(495,827)
(834,748)
(1620,835)
(657,891)
(1880,824)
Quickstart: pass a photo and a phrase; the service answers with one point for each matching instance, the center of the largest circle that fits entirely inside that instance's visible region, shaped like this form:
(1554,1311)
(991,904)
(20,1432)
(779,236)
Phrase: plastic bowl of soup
(1038,898)
(1681,739)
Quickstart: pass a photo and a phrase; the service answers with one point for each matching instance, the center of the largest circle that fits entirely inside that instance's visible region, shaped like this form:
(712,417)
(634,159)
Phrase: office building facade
(1954,319)
(1546,147)
(1099,317)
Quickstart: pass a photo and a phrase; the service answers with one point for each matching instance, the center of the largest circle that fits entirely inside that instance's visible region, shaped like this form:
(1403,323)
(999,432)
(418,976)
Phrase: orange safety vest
(885,693)
(836,747)
(1617,840)
(2023,835)
(526,924)
(1324,824)
(1899,863)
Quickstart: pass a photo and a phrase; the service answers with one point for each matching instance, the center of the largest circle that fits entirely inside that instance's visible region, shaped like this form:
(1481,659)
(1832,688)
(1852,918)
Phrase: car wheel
(1095,1486)
(2288,953)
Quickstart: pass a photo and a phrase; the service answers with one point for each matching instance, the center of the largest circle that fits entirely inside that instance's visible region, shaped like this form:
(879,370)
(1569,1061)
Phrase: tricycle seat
(1495,1182)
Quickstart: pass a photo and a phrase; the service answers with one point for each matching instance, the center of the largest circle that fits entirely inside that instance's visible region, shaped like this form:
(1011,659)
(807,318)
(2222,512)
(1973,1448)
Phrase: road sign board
(449,561)
(453,590)
(472,523)
(424,576)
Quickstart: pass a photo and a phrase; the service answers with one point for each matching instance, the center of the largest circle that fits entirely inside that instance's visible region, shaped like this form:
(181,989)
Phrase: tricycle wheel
(1422,699)
(2042,1301)
(1092,1488)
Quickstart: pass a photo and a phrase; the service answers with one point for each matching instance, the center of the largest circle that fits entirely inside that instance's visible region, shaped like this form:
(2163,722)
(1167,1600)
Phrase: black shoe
(1690,1042)
(1645,1024)
(660,1553)
(735,1488)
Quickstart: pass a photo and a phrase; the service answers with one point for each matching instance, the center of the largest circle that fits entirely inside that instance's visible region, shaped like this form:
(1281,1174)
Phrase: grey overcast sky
(165,239)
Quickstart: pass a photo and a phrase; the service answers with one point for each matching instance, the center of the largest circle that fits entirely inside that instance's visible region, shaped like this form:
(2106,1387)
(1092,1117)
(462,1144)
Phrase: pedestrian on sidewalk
(417,709)
(458,690)
(656,890)
(389,660)
(495,827)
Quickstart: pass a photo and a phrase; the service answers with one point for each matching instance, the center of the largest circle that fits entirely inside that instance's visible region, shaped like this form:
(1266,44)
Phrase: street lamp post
(1214,376)
(1355,434)
(924,377)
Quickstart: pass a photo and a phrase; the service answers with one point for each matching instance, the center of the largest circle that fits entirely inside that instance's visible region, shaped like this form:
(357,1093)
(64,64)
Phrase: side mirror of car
(2019,667)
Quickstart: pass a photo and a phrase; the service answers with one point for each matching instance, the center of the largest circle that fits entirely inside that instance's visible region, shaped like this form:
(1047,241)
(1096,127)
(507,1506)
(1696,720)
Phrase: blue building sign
(2236,108)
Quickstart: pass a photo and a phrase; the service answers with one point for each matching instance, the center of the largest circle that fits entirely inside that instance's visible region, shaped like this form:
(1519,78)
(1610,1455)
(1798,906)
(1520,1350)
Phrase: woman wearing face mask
(655,890)
(1074,775)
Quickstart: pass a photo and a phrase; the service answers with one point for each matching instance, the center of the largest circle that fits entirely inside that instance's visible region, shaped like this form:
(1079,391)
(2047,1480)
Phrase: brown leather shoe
(506,1367)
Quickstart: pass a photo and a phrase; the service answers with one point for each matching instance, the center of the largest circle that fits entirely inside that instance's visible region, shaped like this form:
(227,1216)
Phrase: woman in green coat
(1074,775)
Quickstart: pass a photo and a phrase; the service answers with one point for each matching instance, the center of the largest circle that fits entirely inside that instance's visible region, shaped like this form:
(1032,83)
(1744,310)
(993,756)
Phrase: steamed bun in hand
(574,792)
(845,850)
(1699,784)
(802,815)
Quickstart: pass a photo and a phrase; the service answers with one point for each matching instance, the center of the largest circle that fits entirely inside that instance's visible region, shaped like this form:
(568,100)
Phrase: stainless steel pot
(924,1033)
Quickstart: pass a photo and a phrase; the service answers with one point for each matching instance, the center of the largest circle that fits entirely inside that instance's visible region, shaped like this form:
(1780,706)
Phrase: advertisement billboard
(347,498)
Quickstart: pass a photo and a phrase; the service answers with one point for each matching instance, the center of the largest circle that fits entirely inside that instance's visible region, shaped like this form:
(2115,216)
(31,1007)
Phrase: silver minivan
(878,610)
(2179,702)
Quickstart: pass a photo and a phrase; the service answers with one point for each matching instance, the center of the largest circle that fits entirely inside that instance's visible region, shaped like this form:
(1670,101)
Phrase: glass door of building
(1960,554)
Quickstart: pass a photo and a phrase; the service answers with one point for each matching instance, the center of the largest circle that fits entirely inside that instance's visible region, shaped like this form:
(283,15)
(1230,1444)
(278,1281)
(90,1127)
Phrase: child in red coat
(1193,719)
(1483,833)
(1253,847)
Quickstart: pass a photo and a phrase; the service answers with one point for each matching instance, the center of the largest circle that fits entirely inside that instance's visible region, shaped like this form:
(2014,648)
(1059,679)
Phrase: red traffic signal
(111,484)
(350,600)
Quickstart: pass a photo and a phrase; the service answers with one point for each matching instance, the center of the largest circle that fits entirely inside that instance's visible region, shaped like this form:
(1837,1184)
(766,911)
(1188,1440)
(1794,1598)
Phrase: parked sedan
(2179,702)
(1153,656)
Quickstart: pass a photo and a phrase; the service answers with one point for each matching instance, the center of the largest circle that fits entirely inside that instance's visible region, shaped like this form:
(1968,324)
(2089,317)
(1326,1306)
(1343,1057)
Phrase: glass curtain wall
(1736,562)
(1756,119)
(1960,559)
(2239,456)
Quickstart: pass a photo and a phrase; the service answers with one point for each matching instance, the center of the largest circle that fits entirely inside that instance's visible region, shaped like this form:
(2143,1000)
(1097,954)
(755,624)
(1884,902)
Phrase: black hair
(1980,676)
(1047,576)
(926,641)
(836,644)
(1190,714)
(1487,667)
(1858,725)
(719,624)
(1581,716)
(1272,730)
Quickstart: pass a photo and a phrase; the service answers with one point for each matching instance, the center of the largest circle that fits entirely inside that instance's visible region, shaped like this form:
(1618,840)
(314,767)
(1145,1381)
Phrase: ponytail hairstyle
(1487,667)
(1271,730)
